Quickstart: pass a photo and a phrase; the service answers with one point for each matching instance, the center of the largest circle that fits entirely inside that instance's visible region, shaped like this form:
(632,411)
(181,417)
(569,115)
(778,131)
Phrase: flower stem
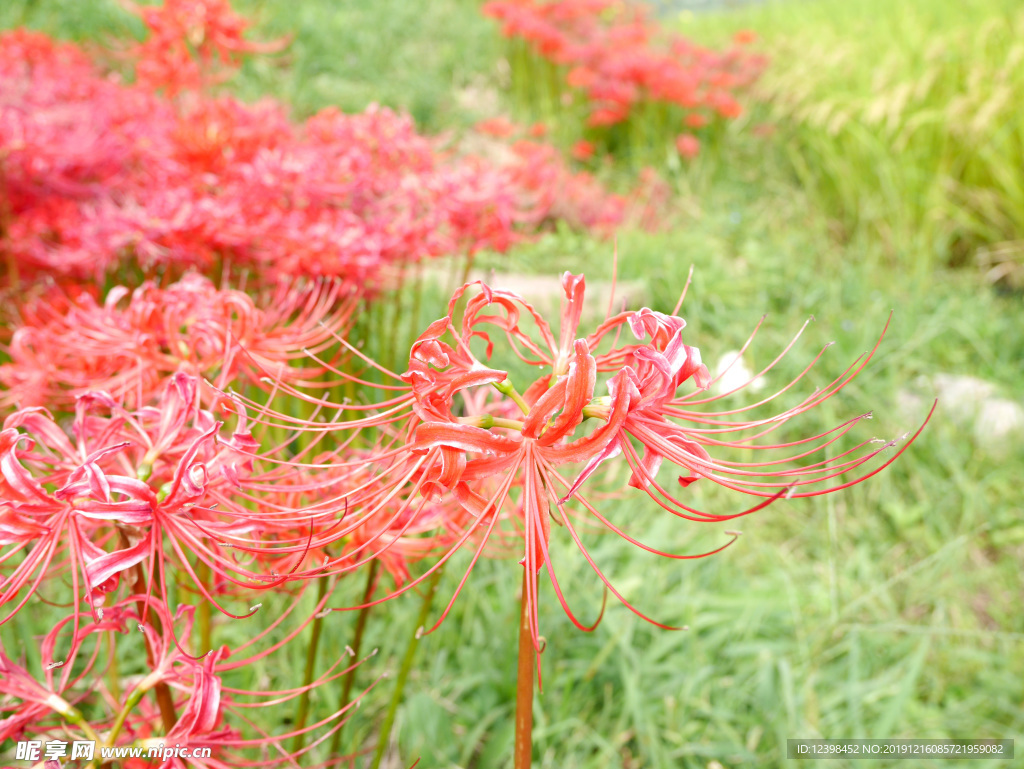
(470,258)
(507,389)
(113,671)
(164,698)
(133,699)
(357,642)
(524,686)
(488,421)
(314,642)
(417,299)
(403,673)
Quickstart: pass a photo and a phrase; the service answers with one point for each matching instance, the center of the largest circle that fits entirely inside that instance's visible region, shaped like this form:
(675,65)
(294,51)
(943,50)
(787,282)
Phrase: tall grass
(902,117)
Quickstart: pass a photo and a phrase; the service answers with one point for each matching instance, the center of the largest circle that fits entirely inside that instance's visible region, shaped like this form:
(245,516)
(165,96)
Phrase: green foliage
(888,609)
(902,117)
(432,59)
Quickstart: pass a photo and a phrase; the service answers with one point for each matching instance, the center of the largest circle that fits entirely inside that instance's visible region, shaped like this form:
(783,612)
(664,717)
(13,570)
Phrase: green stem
(299,741)
(129,705)
(417,299)
(357,642)
(508,389)
(114,670)
(392,357)
(470,258)
(403,673)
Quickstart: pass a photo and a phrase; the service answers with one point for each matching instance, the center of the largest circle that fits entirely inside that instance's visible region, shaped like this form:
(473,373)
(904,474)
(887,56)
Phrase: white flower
(734,374)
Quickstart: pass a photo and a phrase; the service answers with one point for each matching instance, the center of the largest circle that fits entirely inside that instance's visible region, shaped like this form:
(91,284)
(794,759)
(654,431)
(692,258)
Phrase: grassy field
(901,117)
(888,610)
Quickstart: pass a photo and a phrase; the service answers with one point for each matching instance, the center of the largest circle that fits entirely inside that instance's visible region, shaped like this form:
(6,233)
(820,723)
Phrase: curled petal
(100,569)
(464,437)
(579,390)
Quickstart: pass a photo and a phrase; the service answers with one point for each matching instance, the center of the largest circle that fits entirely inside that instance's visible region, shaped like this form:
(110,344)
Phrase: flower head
(69,344)
(516,462)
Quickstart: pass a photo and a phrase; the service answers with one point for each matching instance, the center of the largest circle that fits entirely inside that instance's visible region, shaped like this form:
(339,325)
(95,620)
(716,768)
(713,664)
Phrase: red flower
(583,150)
(126,486)
(688,146)
(187,40)
(459,432)
(499,127)
(696,120)
(128,346)
(744,37)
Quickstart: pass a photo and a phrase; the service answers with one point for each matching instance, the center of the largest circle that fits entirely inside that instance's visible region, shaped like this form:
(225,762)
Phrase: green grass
(901,116)
(435,60)
(887,610)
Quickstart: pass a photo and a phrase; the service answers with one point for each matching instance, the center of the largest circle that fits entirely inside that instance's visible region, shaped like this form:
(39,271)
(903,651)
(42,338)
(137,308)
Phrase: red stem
(524,686)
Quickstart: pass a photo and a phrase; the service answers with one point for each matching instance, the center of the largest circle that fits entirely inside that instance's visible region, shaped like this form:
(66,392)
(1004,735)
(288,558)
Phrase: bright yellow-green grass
(904,116)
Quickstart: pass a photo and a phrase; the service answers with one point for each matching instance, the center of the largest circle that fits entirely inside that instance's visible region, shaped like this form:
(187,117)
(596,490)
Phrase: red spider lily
(68,345)
(210,714)
(583,150)
(33,704)
(688,145)
(620,59)
(448,436)
(95,173)
(141,491)
(557,193)
(189,40)
(68,142)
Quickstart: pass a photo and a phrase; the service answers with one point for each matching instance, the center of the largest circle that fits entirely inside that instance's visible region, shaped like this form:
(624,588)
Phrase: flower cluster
(558,193)
(108,520)
(612,53)
(67,343)
(223,495)
(95,173)
(194,707)
(190,43)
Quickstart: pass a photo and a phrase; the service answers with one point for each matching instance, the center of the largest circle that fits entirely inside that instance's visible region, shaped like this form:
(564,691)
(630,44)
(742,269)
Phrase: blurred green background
(892,179)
